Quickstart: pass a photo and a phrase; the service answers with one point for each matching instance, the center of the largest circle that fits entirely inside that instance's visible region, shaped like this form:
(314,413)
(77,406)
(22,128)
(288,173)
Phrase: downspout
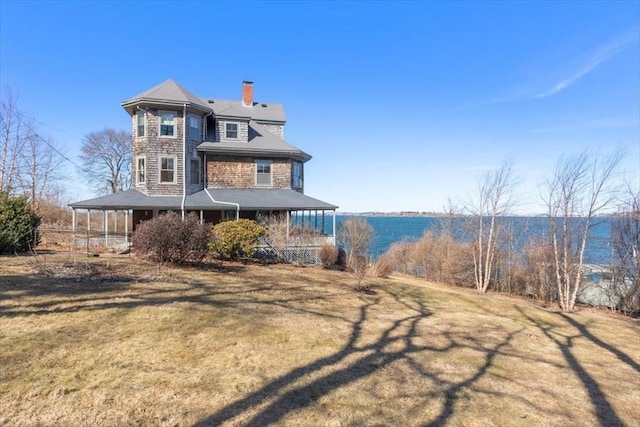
(184,158)
(206,190)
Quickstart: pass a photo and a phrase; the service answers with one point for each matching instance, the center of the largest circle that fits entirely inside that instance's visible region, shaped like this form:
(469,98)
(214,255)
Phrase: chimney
(247,93)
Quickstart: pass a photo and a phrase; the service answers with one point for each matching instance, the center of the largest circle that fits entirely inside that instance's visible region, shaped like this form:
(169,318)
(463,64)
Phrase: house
(222,159)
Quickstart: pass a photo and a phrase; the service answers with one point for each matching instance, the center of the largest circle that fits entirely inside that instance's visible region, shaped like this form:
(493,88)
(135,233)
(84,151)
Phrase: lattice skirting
(295,254)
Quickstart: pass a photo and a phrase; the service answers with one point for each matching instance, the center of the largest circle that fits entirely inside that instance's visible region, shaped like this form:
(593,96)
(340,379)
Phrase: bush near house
(170,239)
(18,222)
(328,255)
(235,239)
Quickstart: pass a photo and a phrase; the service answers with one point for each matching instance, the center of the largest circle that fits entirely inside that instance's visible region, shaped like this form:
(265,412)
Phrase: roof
(249,199)
(261,142)
(168,92)
(262,112)
(171,93)
(270,199)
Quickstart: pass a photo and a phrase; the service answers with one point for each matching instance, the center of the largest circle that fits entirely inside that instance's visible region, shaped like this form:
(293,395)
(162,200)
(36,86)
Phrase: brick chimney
(247,93)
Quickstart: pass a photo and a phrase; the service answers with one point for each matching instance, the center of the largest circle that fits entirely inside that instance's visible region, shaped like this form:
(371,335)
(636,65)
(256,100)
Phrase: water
(388,230)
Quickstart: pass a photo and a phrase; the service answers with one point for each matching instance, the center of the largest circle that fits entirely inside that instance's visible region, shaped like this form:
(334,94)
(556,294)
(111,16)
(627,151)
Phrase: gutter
(184,157)
(206,190)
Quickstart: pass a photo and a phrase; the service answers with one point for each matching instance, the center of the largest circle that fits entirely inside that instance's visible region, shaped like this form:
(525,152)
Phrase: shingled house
(221,159)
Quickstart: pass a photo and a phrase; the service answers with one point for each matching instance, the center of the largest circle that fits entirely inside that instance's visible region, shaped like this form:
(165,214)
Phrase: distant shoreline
(416,214)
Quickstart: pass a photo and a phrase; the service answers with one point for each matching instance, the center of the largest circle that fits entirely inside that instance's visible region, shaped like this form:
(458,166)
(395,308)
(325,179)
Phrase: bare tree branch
(106,159)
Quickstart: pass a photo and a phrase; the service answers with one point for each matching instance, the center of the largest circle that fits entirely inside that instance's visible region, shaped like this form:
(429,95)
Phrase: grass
(114,341)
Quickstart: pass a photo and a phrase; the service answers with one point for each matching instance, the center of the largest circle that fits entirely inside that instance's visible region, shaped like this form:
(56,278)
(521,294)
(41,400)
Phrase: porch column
(334,227)
(126,227)
(288,220)
(88,228)
(105,227)
(115,222)
(73,229)
(201,217)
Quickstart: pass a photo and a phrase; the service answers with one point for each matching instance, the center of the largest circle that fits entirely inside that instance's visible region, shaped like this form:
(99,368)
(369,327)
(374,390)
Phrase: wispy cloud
(594,59)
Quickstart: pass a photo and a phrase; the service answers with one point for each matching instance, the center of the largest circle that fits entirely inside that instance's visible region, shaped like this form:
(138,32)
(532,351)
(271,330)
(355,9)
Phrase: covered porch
(122,212)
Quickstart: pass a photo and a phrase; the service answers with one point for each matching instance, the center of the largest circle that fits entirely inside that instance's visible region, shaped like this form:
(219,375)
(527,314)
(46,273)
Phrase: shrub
(234,239)
(169,238)
(18,223)
(328,255)
(383,267)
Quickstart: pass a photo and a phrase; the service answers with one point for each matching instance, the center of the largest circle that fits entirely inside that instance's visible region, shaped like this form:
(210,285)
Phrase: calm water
(388,230)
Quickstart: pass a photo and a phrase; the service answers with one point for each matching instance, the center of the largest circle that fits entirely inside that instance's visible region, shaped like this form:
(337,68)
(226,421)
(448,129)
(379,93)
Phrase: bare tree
(579,190)
(494,200)
(356,234)
(625,242)
(39,164)
(106,160)
(13,136)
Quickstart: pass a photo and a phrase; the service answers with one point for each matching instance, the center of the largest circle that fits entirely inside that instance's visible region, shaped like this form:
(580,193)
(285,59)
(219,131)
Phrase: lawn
(115,341)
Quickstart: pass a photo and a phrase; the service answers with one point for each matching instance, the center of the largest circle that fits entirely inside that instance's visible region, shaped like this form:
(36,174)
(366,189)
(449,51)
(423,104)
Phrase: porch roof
(248,199)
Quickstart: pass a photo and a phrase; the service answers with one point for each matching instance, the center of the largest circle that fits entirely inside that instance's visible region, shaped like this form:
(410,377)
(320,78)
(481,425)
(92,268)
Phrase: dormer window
(231,130)
(167,123)
(140,122)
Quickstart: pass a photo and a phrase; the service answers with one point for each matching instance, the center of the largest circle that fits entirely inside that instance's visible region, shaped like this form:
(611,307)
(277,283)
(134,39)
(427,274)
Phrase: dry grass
(112,341)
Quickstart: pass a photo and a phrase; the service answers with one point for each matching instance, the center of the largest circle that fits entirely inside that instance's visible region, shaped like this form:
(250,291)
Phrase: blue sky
(403,105)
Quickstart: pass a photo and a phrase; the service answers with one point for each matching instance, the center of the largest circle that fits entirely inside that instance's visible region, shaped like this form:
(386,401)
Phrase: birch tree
(580,189)
(494,200)
(106,160)
(12,139)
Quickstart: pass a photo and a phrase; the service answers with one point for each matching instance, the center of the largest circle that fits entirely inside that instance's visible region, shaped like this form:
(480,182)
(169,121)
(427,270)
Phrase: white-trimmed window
(296,175)
(141,121)
(263,172)
(167,123)
(141,169)
(231,130)
(194,175)
(167,170)
(194,127)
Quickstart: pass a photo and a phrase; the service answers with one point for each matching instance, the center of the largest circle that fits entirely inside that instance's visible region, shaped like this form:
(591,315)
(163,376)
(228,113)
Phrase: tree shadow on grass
(302,387)
(584,331)
(605,413)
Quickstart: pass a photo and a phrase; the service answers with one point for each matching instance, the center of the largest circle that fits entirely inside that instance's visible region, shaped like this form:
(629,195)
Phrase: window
(263,172)
(232,130)
(195,171)
(194,127)
(140,170)
(296,175)
(167,170)
(140,121)
(167,123)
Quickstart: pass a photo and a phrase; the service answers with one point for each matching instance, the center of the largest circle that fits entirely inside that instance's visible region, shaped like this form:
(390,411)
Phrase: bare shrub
(282,237)
(538,270)
(356,234)
(436,257)
(170,239)
(328,255)
(399,257)
(382,267)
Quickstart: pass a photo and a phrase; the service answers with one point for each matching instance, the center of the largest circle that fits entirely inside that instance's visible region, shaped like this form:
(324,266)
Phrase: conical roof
(167,92)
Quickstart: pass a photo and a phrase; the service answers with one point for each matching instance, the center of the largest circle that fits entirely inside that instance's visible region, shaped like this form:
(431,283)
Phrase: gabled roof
(262,112)
(248,199)
(168,92)
(261,142)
